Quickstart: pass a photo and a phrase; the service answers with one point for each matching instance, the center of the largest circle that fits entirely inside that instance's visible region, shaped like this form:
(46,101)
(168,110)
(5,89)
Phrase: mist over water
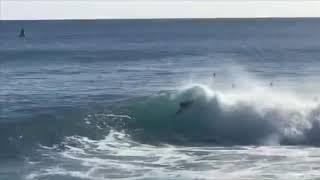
(138,99)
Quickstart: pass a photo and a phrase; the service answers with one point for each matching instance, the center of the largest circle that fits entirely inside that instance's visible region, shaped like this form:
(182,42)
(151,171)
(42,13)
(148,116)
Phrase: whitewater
(160,99)
(263,133)
(232,134)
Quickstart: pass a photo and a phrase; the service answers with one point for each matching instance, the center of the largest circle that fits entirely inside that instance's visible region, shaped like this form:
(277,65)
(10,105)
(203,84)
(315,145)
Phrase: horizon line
(168,19)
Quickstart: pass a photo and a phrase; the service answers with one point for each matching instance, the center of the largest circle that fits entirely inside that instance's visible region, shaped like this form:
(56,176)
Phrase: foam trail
(117,157)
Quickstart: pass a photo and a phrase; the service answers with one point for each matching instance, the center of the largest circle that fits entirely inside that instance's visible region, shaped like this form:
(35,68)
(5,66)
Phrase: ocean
(229,99)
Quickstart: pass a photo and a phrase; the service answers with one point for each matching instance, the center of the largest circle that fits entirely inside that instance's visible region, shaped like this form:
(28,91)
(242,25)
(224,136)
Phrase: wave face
(255,117)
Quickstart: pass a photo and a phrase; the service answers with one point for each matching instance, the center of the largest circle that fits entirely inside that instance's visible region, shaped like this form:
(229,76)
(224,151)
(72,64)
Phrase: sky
(146,9)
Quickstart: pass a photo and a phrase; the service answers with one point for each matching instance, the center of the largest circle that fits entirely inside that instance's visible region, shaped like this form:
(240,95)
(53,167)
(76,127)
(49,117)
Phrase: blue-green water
(101,99)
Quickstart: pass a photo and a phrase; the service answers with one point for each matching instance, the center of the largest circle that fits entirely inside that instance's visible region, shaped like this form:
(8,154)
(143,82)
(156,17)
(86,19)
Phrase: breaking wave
(234,117)
(258,116)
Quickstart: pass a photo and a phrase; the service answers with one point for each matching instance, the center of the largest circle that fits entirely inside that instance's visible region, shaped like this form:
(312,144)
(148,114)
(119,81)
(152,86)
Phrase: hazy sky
(98,9)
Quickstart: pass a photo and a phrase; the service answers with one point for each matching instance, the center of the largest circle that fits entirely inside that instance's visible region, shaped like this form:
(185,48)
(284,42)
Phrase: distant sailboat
(22,34)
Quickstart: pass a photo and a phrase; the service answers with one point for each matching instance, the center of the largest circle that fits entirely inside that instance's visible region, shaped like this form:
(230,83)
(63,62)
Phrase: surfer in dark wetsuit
(184,105)
(214,75)
(22,34)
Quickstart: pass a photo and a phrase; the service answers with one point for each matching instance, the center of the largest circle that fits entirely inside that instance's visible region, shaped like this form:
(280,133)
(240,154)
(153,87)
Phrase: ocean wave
(194,115)
(261,116)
